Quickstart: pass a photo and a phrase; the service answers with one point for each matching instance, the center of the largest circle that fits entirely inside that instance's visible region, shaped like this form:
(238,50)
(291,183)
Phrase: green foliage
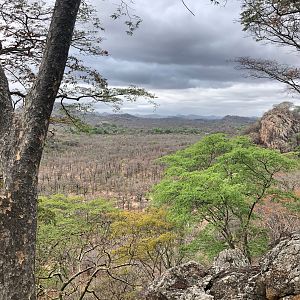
(65,226)
(202,154)
(259,241)
(78,238)
(145,235)
(220,180)
(205,246)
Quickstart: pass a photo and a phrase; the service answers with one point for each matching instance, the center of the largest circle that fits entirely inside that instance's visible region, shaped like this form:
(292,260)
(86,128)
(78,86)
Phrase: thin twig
(187,8)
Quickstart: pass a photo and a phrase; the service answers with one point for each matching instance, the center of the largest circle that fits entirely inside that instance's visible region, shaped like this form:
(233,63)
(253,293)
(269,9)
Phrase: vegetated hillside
(116,252)
(88,246)
(228,124)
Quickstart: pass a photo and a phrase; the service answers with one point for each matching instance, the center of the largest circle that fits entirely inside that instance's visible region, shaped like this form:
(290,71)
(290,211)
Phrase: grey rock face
(277,277)
(182,282)
(229,258)
(281,268)
(245,283)
(278,127)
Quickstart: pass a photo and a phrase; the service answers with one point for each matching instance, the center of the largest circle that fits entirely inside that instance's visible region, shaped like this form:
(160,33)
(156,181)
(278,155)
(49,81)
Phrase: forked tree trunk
(21,145)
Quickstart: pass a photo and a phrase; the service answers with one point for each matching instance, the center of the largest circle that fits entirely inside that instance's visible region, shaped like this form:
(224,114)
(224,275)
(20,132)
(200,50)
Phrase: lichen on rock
(231,277)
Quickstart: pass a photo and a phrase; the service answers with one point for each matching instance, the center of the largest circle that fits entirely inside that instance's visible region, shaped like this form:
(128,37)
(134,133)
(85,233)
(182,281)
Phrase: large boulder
(231,277)
(228,259)
(234,278)
(244,283)
(278,128)
(281,268)
(181,282)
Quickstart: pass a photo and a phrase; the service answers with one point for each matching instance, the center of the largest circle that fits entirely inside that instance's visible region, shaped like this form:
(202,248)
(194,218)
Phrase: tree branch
(40,100)
(187,7)
(268,69)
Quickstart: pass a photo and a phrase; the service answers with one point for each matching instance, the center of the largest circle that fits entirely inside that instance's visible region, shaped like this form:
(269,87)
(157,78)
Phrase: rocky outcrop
(229,258)
(278,128)
(276,277)
(182,282)
(281,269)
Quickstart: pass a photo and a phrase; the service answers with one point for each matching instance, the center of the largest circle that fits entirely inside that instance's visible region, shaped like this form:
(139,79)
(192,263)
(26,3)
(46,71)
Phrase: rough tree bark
(22,138)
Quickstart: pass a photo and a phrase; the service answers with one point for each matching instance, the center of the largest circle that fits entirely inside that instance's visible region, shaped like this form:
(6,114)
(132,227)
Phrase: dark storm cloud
(173,46)
(182,57)
(154,75)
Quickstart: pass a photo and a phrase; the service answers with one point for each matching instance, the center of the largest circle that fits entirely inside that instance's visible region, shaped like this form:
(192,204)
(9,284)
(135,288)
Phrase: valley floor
(123,166)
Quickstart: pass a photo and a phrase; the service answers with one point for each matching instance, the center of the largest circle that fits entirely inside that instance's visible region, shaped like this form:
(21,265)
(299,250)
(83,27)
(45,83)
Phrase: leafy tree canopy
(219,181)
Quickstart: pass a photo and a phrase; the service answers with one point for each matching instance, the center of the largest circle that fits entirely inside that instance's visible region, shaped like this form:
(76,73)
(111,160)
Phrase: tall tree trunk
(17,220)
(21,145)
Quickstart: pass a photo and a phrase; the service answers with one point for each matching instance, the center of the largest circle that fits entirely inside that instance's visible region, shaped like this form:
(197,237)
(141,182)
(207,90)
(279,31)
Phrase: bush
(91,246)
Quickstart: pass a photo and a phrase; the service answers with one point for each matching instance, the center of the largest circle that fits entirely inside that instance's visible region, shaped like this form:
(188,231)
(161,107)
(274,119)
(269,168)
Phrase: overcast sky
(184,59)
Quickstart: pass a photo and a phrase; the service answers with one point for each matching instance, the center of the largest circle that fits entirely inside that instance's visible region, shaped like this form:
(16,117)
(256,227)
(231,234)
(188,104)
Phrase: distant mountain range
(145,123)
(157,123)
(179,116)
(57,111)
(186,117)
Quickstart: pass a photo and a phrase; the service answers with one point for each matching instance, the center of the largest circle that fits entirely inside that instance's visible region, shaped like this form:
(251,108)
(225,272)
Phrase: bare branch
(73,277)
(272,21)
(269,69)
(187,8)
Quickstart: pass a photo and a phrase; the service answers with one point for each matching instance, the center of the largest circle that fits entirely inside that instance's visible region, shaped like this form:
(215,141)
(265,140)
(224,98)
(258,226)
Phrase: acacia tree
(221,181)
(35,42)
(276,22)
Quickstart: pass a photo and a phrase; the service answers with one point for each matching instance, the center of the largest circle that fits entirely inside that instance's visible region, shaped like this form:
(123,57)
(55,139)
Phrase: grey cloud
(172,35)
(184,59)
(154,75)
(170,38)
(242,99)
